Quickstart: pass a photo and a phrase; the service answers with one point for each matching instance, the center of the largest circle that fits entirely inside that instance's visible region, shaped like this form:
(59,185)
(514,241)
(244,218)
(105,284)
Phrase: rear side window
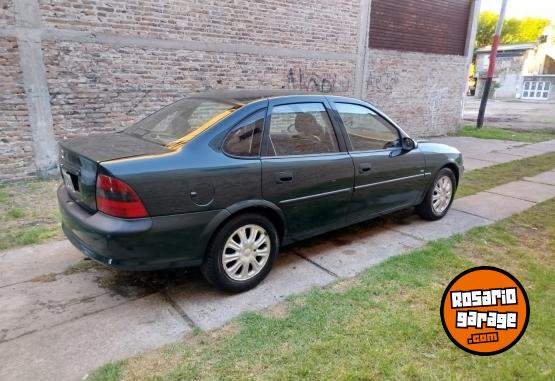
(244,140)
(301,129)
(171,125)
(366,129)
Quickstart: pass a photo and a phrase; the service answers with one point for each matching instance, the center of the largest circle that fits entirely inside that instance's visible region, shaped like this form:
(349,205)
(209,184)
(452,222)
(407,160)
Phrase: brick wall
(311,24)
(421,92)
(16,155)
(108,64)
(7,12)
(95,88)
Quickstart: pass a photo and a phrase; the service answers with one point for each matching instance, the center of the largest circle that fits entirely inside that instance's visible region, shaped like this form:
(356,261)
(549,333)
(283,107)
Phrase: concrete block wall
(104,65)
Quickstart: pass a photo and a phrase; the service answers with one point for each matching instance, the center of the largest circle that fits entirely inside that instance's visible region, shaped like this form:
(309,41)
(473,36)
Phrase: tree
(515,30)
(486,28)
(531,28)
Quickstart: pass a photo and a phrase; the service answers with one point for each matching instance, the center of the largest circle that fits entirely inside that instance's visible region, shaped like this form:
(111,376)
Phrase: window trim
(236,126)
(342,153)
(350,147)
(318,99)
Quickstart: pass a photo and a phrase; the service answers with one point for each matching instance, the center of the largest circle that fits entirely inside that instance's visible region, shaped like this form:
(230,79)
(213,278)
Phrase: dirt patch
(513,114)
(139,284)
(45,278)
(344,285)
(83,266)
(277,311)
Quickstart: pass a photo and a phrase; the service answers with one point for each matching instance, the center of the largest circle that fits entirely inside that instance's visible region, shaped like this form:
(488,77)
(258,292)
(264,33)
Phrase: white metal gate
(536,90)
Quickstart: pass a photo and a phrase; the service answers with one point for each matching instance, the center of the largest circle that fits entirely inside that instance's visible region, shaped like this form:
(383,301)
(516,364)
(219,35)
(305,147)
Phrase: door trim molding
(389,181)
(304,198)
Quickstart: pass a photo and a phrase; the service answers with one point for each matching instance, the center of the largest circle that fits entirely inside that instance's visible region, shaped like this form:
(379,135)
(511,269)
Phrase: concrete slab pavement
(209,308)
(33,306)
(491,206)
(543,178)
(475,147)
(354,250)
(453,223)
(68,351)
(471,164)
(480,153)
(28,262)
(61,329)
(525,190)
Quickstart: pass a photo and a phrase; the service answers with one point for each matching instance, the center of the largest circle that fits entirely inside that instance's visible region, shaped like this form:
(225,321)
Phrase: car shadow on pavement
(133,285)
(139,284)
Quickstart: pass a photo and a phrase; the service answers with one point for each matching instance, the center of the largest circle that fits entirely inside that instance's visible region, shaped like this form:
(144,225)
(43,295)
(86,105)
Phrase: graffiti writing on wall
(436,96)
(299,79)
(384,81)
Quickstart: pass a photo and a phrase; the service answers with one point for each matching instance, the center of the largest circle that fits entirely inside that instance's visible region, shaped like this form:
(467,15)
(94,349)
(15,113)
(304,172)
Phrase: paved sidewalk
(56,325)
(480,153)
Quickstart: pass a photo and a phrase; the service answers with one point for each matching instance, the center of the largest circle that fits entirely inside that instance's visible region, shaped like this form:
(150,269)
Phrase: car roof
(247,96)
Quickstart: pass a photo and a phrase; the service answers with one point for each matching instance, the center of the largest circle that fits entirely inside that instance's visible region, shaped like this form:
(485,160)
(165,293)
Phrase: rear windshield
(172,125)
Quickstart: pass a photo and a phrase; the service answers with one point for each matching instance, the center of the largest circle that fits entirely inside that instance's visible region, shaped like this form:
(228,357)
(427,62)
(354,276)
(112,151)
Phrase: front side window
(301,129)
(366,129)
(245,139)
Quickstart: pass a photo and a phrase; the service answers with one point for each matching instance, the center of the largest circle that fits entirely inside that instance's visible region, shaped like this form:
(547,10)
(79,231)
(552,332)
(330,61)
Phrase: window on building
(366,129)
(536,89)
(301,129)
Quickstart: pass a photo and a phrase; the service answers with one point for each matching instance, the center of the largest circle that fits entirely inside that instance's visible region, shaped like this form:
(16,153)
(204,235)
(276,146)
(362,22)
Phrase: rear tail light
(116,198)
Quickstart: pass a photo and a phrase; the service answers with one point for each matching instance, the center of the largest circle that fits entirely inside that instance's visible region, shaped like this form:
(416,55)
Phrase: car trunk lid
(80,160)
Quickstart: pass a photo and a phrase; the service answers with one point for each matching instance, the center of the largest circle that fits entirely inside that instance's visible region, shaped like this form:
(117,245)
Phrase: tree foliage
(527,29)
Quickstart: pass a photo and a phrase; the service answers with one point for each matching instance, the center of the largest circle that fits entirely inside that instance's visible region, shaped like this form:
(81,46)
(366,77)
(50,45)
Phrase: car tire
(244,242)
(439,196)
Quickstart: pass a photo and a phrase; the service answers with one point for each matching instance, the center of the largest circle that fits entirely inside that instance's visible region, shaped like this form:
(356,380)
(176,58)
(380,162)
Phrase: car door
(386,176)
(306,170)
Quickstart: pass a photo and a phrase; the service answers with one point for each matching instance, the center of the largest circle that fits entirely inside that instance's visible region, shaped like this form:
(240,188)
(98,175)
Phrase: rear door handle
(282,177)
(364,167)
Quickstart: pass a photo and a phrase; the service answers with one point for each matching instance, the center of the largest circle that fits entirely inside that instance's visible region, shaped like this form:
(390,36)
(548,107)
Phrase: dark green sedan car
(221,181)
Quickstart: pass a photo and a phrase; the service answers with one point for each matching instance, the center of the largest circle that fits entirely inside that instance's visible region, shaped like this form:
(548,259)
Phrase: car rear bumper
(136,244)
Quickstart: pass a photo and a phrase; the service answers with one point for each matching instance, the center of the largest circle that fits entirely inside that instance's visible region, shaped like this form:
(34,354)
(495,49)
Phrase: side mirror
(408,144)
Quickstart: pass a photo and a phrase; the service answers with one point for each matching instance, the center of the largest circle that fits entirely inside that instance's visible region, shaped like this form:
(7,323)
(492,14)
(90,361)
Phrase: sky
(522,8)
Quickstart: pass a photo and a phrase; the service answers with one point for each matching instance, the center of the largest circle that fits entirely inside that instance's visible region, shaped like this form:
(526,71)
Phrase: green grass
(384,324)
(489,177)
(15,213)
(505,134)
(108,372)
(29,235)
(28,213)
(4,196)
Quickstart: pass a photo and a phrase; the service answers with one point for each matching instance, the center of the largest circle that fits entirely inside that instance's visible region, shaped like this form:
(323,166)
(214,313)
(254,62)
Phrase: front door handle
(364,167)
(282,177)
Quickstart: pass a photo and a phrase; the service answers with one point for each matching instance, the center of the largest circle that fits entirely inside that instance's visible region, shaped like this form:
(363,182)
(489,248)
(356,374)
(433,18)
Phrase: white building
(522,71)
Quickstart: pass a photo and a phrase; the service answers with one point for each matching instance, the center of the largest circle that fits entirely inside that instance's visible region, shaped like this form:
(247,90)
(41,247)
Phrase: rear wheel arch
(274,216)
(261,207)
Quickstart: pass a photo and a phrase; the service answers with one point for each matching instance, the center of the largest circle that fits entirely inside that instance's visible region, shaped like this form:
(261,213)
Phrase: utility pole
(491,67)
